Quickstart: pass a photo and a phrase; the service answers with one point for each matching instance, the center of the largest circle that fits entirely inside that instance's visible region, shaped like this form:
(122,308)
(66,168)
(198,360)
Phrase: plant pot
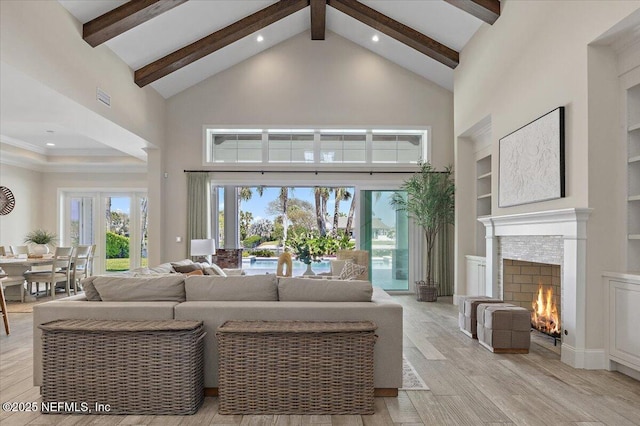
(39,249)
(309,271)
(426,291)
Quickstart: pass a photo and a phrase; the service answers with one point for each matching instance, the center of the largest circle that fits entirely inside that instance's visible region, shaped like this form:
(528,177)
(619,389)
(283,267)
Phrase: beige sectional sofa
(215,299)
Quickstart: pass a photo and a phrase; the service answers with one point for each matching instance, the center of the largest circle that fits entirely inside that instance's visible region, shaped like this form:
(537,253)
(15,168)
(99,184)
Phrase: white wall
(299,82)
(37,202)
(43,40)
(26,186)
(532,60)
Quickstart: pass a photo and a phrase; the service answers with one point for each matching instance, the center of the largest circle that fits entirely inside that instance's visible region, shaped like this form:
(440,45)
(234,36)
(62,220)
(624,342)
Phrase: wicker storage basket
(426,292)
(296,367)
(136,367)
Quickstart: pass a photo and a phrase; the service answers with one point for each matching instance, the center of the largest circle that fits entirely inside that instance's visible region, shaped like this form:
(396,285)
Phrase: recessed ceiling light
(375,38)
(260,39)
(51,144)
(50,131)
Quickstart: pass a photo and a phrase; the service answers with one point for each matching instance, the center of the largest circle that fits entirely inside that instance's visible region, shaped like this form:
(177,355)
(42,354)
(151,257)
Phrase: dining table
(14,268)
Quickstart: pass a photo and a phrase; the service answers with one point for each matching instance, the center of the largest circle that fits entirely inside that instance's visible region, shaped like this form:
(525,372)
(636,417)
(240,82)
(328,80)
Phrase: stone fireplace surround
(555,237)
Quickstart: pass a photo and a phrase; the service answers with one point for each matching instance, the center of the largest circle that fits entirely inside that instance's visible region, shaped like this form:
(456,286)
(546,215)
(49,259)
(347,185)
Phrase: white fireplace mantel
(568,223)
(571,226)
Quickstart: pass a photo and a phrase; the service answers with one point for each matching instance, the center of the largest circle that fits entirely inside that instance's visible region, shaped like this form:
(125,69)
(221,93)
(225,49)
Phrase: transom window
(319,146)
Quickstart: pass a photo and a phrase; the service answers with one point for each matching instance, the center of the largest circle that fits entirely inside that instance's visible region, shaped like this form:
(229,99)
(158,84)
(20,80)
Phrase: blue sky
(258,205)
(120,204)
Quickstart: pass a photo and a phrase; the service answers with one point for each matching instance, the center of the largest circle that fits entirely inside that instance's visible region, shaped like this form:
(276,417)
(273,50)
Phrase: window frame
(209,131)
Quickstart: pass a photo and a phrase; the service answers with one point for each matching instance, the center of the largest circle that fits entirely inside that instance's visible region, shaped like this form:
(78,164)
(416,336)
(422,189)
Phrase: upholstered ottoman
(504,328)
(467,313)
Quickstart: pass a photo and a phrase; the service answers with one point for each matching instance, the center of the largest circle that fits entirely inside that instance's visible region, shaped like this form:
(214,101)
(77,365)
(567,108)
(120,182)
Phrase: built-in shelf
(632,115)
(483,195)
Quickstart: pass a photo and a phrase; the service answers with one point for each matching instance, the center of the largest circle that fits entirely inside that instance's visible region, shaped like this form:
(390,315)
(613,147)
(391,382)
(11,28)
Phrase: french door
(116,222)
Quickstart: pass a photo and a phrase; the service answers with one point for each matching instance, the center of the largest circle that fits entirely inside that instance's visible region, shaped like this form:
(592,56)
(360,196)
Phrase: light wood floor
(469,385)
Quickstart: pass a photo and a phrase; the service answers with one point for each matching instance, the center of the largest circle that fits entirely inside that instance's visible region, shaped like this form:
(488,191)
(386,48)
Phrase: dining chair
(80,265)
(16,250)
(3,252)
(60,271)
(92,254)
(3,308)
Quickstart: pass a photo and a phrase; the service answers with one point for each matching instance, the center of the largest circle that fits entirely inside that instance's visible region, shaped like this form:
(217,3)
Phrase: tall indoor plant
(429,201)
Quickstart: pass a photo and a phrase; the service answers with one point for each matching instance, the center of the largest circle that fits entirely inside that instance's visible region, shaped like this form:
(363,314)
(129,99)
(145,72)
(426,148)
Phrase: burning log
(544,317)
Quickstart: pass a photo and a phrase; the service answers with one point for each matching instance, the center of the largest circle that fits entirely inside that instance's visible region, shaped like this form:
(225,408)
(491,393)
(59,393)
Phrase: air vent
(103,97)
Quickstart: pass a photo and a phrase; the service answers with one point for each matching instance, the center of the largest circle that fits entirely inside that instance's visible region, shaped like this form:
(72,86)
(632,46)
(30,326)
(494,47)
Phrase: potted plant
(429,201)
(305,247)
(40,240)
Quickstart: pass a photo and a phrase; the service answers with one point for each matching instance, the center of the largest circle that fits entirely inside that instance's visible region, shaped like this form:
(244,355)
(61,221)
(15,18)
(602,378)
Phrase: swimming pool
(266,265)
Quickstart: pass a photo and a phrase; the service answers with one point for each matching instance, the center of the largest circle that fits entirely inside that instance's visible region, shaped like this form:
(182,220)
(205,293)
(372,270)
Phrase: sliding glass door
(385,234)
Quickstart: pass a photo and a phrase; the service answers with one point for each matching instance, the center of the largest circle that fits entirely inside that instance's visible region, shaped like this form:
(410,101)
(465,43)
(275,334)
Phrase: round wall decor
(7,200)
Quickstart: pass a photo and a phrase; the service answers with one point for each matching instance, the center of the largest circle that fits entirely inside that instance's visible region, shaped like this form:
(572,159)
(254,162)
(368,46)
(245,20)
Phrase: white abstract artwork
(532,162)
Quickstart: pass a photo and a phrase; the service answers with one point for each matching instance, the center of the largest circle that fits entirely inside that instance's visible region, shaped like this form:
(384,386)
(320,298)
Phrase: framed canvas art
(531,163)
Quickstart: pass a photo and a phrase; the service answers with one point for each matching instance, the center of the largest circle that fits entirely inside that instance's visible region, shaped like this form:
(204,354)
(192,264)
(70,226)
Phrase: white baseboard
(635,374)
(589,359)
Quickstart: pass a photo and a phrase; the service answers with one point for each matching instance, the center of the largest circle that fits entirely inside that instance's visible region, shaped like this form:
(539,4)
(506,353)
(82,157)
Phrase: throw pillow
(214,269)
(185,269)
(352,270)
(337,266)
(196,272)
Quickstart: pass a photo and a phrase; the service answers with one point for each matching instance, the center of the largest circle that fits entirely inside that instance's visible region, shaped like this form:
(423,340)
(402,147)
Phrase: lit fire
(545,314)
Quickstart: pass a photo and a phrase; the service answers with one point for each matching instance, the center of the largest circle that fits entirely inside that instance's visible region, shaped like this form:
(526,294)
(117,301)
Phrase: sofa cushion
(89,289)
(306,290)
(155,288)
(164,268)
(245,288)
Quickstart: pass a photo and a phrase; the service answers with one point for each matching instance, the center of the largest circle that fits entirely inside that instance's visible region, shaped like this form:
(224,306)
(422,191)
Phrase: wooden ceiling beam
(123,18)
(486,10)
(318,19)
(216,41)
(398,31)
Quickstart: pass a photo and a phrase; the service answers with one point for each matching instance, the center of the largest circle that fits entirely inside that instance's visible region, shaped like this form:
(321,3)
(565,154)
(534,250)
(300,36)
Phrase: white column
(231,213)
(491,271)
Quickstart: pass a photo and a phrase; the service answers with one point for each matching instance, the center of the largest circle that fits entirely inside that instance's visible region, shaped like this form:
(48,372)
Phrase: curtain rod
(370,172)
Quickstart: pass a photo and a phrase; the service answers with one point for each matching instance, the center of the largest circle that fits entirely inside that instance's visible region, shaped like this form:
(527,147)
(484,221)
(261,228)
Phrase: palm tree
(352,211)
(284,201)
(321,196)
(341,194)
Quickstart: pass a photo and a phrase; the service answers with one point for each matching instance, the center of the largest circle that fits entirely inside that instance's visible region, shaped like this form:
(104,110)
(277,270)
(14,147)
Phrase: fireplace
(536,287)
(556,237)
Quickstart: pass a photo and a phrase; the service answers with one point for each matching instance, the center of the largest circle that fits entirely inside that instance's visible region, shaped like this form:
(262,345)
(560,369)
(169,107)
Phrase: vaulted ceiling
(174,44)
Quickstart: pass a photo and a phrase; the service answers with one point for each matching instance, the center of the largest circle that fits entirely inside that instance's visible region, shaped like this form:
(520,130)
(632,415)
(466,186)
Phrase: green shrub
(252,241)
(262,253)
(117,246)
